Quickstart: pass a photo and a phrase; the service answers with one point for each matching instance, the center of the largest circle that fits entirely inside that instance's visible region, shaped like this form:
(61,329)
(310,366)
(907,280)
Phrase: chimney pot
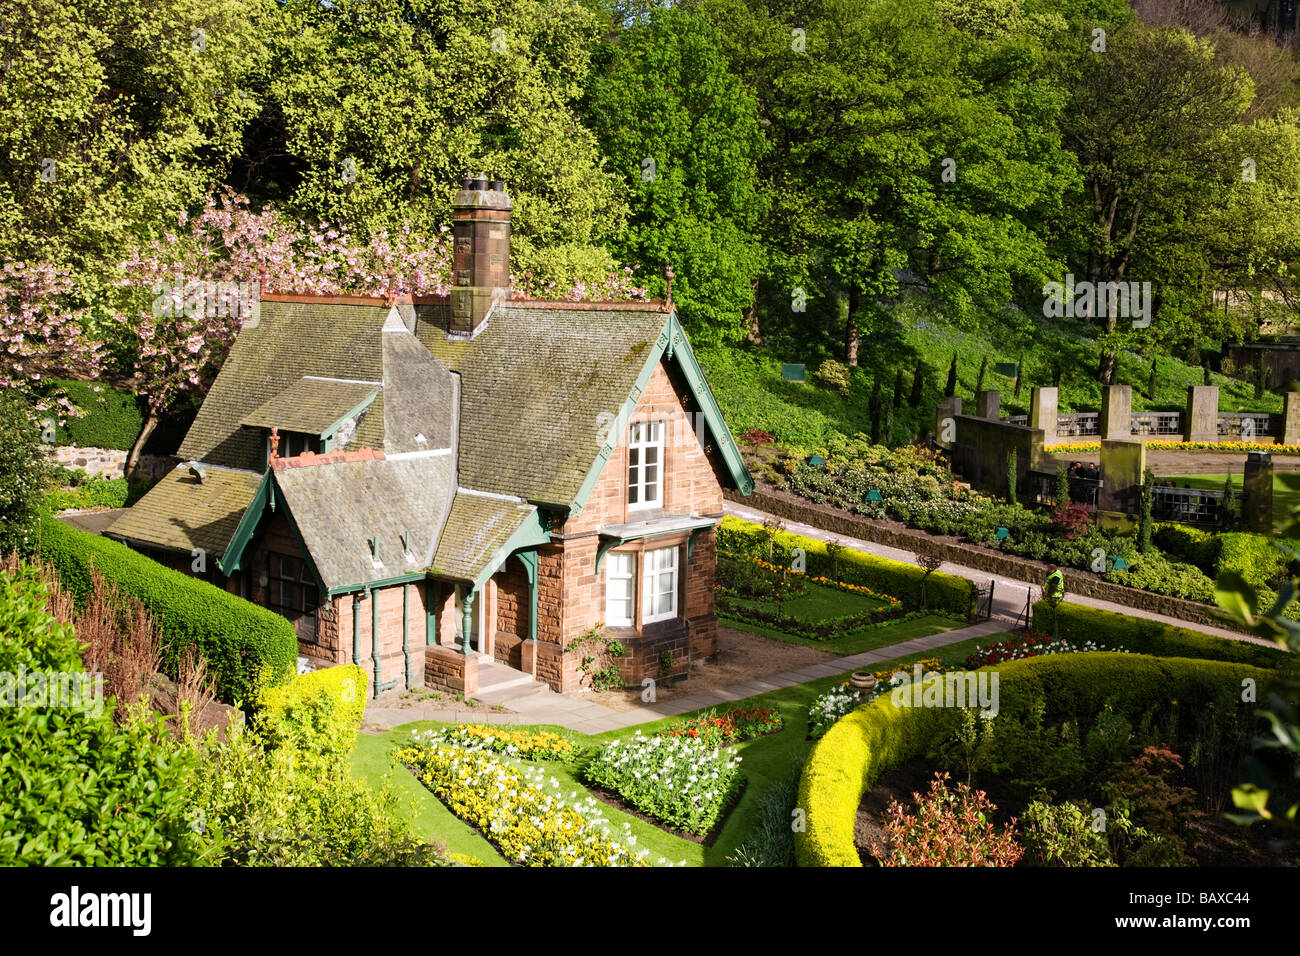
(479,182)
(499,185)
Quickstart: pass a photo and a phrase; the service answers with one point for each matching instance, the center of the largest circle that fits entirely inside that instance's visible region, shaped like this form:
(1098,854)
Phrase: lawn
(1286,490)
(863,639)
(767,761)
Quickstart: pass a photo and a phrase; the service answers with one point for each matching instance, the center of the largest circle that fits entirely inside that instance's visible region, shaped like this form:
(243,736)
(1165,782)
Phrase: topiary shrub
(245,646)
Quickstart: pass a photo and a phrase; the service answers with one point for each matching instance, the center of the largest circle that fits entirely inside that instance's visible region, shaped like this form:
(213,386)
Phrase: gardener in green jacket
(1054,587)
(1054,591)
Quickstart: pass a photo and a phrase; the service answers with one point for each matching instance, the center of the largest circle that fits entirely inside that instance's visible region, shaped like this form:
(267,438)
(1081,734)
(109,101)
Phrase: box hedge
(245,645)
(1146,636)
(876,739)
(944,592)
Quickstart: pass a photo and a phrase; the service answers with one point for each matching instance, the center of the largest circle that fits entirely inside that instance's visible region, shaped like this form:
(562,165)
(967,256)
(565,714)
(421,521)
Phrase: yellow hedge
(877,738)
(320,710)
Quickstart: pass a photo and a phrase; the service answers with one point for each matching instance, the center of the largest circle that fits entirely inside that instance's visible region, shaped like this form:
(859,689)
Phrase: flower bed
(835,703)
(681,781)
(527,821)
(525,744)
(733,727)
(827,629)
(1032,644)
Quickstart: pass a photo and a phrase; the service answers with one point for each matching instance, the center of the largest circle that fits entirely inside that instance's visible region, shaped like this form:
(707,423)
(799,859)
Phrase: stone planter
(863,681)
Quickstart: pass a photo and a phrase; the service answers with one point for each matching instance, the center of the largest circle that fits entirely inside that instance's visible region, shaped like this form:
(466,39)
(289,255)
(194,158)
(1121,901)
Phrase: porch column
(467,620)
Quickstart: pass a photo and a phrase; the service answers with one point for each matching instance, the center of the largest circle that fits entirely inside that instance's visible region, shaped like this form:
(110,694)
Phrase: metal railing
(1234,427)
(1157,423)
(1042,489)
(1188,505)
(1076,424)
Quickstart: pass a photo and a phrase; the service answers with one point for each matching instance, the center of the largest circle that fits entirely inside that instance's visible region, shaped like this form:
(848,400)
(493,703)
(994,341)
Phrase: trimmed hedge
(112,418)
(944,592)
(878,738)
(1145,636)
(239,640)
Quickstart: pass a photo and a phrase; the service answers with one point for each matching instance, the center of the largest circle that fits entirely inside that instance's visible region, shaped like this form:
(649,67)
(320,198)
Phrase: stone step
(500,695)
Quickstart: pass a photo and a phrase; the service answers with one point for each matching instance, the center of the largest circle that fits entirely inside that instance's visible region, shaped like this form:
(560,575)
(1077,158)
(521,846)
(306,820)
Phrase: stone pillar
(1116,413)
(988,403)
(1123,464)
(448,669)
(945,421)
(1201,420)
(1043,413)
(1257,509)
(1291,420)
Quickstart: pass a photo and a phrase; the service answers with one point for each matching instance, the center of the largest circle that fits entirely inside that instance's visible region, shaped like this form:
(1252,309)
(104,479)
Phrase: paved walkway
(1009,596)
(589,717)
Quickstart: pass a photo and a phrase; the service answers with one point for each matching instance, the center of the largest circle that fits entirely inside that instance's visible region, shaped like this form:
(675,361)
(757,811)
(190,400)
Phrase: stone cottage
(425,486)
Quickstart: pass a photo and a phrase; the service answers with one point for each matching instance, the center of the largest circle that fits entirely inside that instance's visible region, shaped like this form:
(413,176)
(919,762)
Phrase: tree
(116,114)
(1012,476)
(979,379)
(951,388)
(876,407)
(375,108)
(898,388)
(684,132)
(918,385)
(1144,511)
(23,474)
(1152,122)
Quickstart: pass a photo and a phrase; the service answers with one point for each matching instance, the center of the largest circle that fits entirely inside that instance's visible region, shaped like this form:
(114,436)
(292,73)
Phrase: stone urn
(863,681)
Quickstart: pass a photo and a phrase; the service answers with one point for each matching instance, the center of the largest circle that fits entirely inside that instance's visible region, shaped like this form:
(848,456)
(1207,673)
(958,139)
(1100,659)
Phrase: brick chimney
(481,262)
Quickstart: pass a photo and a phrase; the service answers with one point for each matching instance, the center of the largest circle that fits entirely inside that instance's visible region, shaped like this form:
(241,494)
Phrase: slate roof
(314,406)
(539,388)
(281,343)
(338,508)
(477,526)
(184,514)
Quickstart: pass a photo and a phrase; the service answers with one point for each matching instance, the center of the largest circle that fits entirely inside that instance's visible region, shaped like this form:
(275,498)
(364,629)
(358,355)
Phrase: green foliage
(242,643)
(1062,834)
(23,473)
(111,419)
(772,841)
(1012,477)
(97,492)
(493,87)
(684,133)
(135,116)
(75,789)
(1144,510)
(834,375)
(318,712)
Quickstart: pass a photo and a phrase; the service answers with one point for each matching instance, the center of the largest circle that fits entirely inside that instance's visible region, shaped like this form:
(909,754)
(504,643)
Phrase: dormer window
(293,444)
(645,455)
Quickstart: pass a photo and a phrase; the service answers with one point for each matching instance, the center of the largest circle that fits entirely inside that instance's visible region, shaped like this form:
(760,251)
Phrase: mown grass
(766,761)
(863,639)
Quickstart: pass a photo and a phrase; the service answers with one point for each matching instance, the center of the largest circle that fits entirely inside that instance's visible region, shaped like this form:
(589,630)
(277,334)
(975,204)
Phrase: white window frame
(639,441)
(651,581)
(616,575)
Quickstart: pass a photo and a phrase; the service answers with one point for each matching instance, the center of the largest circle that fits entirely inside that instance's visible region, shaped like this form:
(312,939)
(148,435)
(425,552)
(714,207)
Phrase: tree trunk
(133,457)
(851,326)
(750,314)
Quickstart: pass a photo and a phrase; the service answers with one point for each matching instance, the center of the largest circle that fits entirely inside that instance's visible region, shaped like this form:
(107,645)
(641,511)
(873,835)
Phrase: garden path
(591,718)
